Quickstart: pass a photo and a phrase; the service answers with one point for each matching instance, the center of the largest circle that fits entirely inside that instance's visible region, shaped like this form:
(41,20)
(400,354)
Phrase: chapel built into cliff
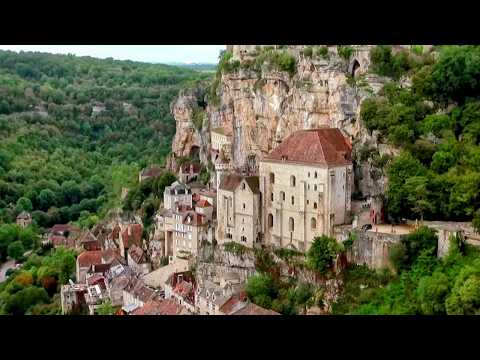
(306,184)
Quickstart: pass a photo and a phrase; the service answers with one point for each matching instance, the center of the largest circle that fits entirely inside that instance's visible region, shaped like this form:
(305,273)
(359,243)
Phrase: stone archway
(354,68)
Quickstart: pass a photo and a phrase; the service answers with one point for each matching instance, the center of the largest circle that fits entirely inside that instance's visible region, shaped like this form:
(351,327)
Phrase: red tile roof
(252,309)
(323,147)
(203,203)
(58,240)
(95,279)
(154,171)
(136,253)
(159,307)
(96,257)
(132,235)
(88,258)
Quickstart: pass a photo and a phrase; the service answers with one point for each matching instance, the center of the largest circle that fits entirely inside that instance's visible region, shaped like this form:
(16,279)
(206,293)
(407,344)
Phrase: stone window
(243,238)
(313,223)
(272,178)
(314,205)
(271,196)
(292,180)
(315,175)
(243,186)
(309,174)
(315,187)
(308,202)
(293,200)
(270,220)
(282,194)
(244,205)
(291,224)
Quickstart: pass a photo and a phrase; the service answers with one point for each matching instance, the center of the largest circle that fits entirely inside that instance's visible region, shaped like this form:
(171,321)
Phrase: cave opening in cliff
(355,68)
(194,152)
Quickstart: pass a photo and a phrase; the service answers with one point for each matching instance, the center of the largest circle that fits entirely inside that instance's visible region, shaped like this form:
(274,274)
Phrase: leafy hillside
(74,130)
(436,124)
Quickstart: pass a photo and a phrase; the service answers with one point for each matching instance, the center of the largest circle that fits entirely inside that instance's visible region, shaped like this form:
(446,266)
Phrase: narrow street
(4,267)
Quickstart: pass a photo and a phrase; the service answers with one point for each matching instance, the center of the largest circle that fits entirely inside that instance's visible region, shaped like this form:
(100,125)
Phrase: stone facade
(238,211)
(303,199)
(177,193)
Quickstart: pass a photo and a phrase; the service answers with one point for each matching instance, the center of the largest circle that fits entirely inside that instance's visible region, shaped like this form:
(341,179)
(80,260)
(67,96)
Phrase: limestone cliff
(264,105)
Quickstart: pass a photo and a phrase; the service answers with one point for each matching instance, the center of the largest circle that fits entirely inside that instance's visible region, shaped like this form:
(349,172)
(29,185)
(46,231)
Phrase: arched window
(292,180)
(271,196)
(314,205)
(313,223)
(291,224)
(270,220)
(315,174)
(243,186)
(293,200)
(272,178)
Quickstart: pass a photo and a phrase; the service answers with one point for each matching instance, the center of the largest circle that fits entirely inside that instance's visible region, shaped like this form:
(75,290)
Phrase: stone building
(137,260)
(238,212)
(24,219)
(177,193)
(150,173)
(188,172)
(181,288)
(220,138)
(190,228)
(306,184)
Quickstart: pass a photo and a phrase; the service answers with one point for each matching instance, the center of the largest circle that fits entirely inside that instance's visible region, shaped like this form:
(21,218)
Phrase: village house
(221,138)
(239,211)
(181,288)
(177,193)
(204,208)
(161,307)
(208,195)
(24,219)
(89,241)
(119,276)
(150,173)
(211,296)
(86,259)
(97,293)
(162,244)
(188,172)
(130,234)
(62,235)
(137,260)
(306,184)
(72,297)
(190,228)
(136,294)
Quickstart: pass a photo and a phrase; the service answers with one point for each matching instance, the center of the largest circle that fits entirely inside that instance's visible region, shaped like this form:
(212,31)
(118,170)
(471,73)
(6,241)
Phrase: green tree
(432,292)
(322,253)
(106,308)
(23,204)
(15,250)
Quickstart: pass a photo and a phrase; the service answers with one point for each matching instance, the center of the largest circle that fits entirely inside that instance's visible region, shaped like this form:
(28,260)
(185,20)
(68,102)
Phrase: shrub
(345,51)
(322,52)
(235,248)
(322,253)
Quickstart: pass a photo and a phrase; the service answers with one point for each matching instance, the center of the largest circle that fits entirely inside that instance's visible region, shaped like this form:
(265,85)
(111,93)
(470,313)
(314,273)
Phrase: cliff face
(263,107)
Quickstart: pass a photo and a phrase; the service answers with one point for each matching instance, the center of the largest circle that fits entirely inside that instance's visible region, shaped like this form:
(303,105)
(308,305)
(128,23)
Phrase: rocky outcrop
(262,107)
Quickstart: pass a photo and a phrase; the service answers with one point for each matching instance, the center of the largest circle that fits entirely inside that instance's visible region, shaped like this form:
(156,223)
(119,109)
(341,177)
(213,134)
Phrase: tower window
(293,200)
(314,205)
(282,194)
(272,178)
(270,220)
(291,224)
(313,223)
(292,180)
(315,174)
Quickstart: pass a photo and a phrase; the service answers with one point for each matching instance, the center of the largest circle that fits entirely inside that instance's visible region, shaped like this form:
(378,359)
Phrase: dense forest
(435,121)
(74,130)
